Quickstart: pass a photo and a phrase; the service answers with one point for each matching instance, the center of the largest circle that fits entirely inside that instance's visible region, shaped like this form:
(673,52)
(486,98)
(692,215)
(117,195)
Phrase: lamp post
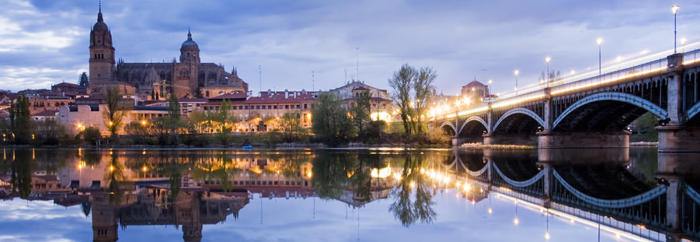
(599,41)
(674,10)
(516,72)
(546,75)
(488,88)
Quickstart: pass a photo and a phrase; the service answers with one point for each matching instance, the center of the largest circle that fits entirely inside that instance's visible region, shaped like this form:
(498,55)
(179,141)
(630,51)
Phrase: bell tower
(187,71)
(101,54)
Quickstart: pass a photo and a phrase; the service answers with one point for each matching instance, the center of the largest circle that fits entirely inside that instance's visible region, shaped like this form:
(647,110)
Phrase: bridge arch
(449,128)
(515,117)
(473,126)
(693,112)
(607,111)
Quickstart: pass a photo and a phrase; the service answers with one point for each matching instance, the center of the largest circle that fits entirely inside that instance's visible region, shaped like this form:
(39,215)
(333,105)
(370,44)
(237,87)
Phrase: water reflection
(194,188)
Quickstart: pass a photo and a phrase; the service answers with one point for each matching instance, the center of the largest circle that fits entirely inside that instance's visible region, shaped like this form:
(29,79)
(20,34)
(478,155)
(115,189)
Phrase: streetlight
(599,41)
(516,72)
(547,60)
(488,87)
(674,10)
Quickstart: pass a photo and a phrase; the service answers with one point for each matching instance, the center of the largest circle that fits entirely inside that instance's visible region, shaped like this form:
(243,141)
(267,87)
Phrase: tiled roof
(237,95)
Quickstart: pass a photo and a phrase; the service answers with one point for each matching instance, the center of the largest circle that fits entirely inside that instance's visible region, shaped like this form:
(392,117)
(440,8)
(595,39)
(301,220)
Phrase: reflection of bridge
(590,111)
(605,193)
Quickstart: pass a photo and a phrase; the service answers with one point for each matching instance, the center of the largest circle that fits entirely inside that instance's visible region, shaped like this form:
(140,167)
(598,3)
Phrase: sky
(281,44)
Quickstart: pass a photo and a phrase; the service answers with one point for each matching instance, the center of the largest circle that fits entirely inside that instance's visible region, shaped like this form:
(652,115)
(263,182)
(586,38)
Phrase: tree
(83,80)
(115,111)
(91,135)
(290,125)
(330,120)
(413,90)
(401,83)
(360,112)
(50,132)
(172,123)
(423,88)
(20,121)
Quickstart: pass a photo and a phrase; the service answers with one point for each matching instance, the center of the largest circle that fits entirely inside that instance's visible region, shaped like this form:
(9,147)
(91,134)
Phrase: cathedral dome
(189,44)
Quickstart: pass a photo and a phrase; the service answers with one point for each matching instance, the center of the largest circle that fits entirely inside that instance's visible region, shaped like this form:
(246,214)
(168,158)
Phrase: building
(381,106)
(68,89)
(262,113)
(47,103)
(78,117)
(475,90)
(188,77)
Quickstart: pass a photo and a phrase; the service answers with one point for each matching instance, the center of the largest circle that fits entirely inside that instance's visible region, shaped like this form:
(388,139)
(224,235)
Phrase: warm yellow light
(466,187)
(547,59)
(490,210)
(111,168)
(516,221)
(144,168)
(683,40)
(490,82)
(599,41)
(546,236)
(144,122)
(380,173)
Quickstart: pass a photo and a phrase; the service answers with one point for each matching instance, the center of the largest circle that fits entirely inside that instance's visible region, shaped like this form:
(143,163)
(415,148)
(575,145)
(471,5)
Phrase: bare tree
(423,87)
(401,83)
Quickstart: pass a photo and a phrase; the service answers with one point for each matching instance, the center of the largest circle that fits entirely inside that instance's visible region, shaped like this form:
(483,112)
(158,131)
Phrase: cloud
(460,39)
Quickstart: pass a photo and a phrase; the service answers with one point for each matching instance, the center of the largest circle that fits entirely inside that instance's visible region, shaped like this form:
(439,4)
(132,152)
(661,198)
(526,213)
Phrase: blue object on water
(247,147)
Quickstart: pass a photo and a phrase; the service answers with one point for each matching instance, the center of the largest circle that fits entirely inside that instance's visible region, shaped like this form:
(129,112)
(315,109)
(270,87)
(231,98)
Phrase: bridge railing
(648,208)
(690,211)
(610,74)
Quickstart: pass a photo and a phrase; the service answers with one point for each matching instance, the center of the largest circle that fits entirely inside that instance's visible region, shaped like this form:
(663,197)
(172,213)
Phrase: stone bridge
(590,111)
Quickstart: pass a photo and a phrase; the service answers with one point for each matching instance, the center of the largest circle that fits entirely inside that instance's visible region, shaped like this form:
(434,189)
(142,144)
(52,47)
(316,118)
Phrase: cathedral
(188,78)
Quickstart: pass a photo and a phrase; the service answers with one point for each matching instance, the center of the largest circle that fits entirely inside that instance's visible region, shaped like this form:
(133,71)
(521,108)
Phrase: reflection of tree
(330,174)
(405,210)
(114,177)
(21,175)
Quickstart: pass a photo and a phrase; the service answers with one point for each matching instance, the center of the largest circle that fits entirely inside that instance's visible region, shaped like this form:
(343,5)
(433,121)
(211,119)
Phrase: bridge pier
(456,141)
(679,139)
(490,139)
(581,140)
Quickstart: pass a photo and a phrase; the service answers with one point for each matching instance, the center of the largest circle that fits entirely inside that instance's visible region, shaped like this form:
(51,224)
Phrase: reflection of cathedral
(189,209)
(155,81)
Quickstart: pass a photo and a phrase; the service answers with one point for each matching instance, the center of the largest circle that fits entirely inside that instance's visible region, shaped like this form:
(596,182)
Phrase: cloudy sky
(45,42)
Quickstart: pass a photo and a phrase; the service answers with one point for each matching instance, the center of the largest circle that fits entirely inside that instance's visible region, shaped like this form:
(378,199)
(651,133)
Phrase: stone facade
(381,106)
(156,81)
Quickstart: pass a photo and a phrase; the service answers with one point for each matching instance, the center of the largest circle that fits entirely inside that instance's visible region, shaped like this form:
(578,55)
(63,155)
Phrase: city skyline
(46,42)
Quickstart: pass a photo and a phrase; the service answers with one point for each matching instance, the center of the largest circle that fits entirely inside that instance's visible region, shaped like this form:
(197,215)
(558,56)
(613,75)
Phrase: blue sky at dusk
(45,42)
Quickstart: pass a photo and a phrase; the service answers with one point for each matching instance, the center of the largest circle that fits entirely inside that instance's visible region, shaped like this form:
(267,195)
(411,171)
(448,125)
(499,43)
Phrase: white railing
(610,74)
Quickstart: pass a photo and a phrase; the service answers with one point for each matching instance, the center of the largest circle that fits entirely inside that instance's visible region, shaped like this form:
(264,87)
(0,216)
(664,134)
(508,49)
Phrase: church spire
(99,11)
(189,34)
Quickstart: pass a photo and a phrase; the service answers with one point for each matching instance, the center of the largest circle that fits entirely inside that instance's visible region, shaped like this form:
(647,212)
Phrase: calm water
(304,195)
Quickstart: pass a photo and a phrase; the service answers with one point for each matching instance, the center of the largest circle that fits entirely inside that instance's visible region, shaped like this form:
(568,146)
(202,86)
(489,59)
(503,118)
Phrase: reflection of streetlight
(674,10)
(599,41)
